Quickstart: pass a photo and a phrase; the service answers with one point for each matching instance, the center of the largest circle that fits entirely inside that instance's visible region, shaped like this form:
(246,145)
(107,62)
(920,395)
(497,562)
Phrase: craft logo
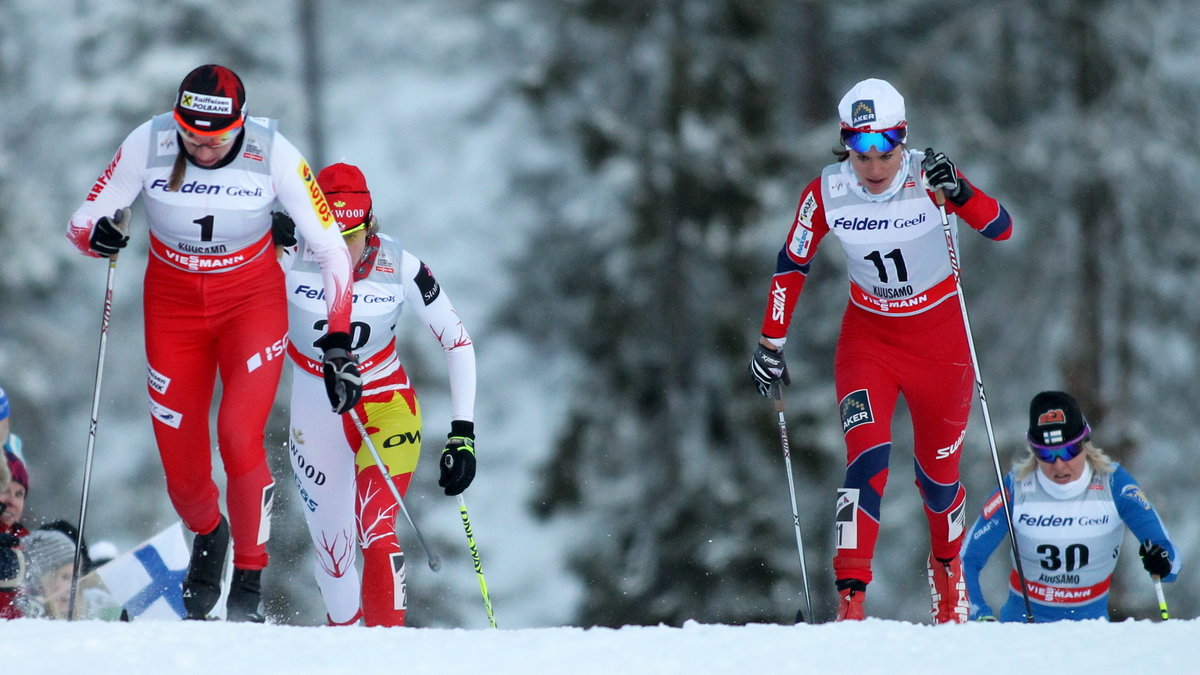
(856,410)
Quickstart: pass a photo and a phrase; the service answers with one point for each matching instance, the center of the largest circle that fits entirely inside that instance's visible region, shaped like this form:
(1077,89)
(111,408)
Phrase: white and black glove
(110,235)
(768,367)
(343,383)
(939,173)
(458,458)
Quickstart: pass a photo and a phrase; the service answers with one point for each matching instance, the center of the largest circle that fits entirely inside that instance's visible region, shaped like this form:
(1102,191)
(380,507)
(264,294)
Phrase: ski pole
(787,460)
(466,521)
(122,218)
(435,562)
(1162,599)
(940,198)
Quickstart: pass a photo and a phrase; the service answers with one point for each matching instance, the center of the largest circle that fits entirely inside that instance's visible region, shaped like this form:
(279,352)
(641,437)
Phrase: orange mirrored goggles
(215,141)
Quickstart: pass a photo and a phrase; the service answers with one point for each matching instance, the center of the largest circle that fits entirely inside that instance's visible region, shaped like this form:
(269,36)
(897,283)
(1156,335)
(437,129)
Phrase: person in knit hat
(14,485)
(50,556)
(1071,504)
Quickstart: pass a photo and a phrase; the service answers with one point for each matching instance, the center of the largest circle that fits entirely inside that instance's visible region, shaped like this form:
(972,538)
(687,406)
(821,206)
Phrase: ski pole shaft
(106,317)
(435,562)
(787,460)
(466,521)
(1162,599)
(940,198)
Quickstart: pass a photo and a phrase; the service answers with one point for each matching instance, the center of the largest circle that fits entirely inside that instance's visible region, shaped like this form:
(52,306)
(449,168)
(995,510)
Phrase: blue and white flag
(148,581)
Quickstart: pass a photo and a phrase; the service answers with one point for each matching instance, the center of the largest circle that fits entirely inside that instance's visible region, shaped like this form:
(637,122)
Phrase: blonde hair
(1100,462)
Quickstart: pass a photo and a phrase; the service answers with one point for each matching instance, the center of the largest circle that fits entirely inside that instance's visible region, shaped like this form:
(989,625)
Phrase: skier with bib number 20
(345,501)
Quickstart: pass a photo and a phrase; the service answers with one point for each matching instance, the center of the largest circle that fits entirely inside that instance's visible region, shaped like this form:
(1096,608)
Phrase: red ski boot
(852,596)
(948,590)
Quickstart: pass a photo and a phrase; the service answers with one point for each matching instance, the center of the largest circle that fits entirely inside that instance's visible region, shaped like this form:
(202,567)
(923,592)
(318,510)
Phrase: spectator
(12,561)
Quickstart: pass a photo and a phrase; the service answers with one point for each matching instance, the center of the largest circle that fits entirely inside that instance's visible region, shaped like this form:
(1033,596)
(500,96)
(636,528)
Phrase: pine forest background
(602,186)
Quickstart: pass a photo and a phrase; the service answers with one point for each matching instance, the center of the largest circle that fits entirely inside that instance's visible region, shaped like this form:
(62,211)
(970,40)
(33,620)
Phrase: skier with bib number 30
(214,303)
(902,332)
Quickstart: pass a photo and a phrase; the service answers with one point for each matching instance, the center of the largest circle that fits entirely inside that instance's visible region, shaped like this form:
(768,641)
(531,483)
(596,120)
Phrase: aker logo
(430,290)
(778,302)
(862,112)
(856,410)
(315,196)
(945,452)
(156,380)
(1134,493)
(165,415)
(846,518)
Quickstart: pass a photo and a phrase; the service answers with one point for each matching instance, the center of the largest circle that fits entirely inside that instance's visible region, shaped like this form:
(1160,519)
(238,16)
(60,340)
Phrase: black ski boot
(202,585)
(245,597)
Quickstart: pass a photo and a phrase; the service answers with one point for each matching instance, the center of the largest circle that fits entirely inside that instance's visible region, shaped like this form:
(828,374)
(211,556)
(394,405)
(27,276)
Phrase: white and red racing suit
(214,303)
(902,333)
(345,501)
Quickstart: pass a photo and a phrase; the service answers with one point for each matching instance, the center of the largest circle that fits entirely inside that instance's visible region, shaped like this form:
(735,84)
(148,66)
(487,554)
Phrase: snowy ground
(873,646)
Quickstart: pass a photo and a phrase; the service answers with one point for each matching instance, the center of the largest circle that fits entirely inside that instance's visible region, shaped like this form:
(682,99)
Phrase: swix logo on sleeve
(856,409)
(315,196)
(105,176)
(778,302)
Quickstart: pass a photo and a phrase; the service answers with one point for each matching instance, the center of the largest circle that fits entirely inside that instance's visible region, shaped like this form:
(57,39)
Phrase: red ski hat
(19,473)
(211,101)
(345,189)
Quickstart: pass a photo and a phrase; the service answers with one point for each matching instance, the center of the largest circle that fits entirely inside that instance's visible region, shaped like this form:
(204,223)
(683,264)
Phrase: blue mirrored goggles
(865,141)
(1064,451)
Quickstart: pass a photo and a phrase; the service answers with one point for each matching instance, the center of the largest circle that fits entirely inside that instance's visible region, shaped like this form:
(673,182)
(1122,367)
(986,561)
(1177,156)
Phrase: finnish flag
(148,581)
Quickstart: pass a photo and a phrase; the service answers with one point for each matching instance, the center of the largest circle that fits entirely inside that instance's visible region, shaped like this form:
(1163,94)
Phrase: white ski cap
(872,105)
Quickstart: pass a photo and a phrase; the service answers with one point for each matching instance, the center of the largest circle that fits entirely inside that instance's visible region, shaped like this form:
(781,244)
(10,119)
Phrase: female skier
(902,332)
(214,303)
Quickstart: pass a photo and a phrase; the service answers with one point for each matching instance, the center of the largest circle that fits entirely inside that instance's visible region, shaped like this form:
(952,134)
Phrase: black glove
(458,458)
(12,565)
(283,229)
(110,235)
(940,174)
(339,366)
(767,367)
(1155,559)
